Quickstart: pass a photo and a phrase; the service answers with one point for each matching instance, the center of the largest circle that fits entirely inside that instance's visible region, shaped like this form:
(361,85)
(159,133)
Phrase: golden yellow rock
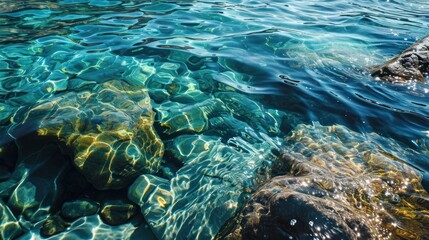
(109,131)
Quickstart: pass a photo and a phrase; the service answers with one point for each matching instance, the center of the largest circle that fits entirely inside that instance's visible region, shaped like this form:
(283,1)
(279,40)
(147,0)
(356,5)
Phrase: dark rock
(79,208)
(116,213)
(280,210)
(53,225)
(9,155)
(8,186)
(411,64)
(4,173)
(9,226)
(40,187)
(76,185)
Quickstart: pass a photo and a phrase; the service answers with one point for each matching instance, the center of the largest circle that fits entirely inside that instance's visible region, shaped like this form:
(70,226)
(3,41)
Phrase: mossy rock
(108,131)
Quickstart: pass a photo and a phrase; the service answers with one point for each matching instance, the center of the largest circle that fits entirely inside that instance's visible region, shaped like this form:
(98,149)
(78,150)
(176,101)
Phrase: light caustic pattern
(196,102)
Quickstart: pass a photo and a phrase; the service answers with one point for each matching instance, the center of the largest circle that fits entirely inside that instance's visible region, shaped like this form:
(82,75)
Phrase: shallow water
(233,78)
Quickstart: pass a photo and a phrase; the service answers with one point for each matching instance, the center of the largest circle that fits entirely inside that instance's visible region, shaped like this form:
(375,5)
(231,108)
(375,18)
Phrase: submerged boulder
(333,183)
(36,186)
(212,184)
(117,212)
(79,208)
(107,128)
(53,225)
(91,227)
(411,64)
(297,208)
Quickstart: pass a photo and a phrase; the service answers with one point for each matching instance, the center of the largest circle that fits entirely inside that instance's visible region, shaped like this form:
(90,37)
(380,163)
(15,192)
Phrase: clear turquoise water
(269,64)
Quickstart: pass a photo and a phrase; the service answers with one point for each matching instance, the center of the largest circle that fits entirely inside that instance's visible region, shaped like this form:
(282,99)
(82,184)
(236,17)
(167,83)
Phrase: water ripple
(306,57)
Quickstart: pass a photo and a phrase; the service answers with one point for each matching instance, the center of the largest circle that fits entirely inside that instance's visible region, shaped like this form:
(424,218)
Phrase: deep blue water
(305,58)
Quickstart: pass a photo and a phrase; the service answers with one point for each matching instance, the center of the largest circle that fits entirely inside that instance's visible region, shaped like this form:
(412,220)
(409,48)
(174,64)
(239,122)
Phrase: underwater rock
(116,213)
(9,155)
(91,227)
(250,111)
(282,209)
(36,185)
(108,130)
(9,226)
(168,85)
(335,183)
(4,173)
(411,64)
(8,186)
(76,185)
(185,104)
(208,114)
(6,112)
(206,191)
(79,208)
(53,225)
(178,117)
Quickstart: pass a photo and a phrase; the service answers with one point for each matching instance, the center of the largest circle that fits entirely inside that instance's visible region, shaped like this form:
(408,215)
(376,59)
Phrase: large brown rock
(411,64)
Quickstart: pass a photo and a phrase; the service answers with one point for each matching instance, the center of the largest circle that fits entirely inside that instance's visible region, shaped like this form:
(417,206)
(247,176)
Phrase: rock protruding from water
(108,128)
(333,183)
(411,64)
(79,208)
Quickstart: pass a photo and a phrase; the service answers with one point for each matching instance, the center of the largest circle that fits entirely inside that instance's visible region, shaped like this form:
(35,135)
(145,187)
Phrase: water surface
(243,73)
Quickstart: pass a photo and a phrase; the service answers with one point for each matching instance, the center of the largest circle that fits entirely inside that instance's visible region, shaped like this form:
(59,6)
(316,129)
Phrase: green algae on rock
(348,185)
(108,129)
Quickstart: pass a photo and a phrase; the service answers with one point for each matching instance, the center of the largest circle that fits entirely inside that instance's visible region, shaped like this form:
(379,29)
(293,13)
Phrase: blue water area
(181,110)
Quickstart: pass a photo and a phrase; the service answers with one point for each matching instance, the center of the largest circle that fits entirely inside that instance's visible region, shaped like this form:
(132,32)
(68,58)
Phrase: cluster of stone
(222,141)
(70,127)
(333,183)
(80,123)
(86,122)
